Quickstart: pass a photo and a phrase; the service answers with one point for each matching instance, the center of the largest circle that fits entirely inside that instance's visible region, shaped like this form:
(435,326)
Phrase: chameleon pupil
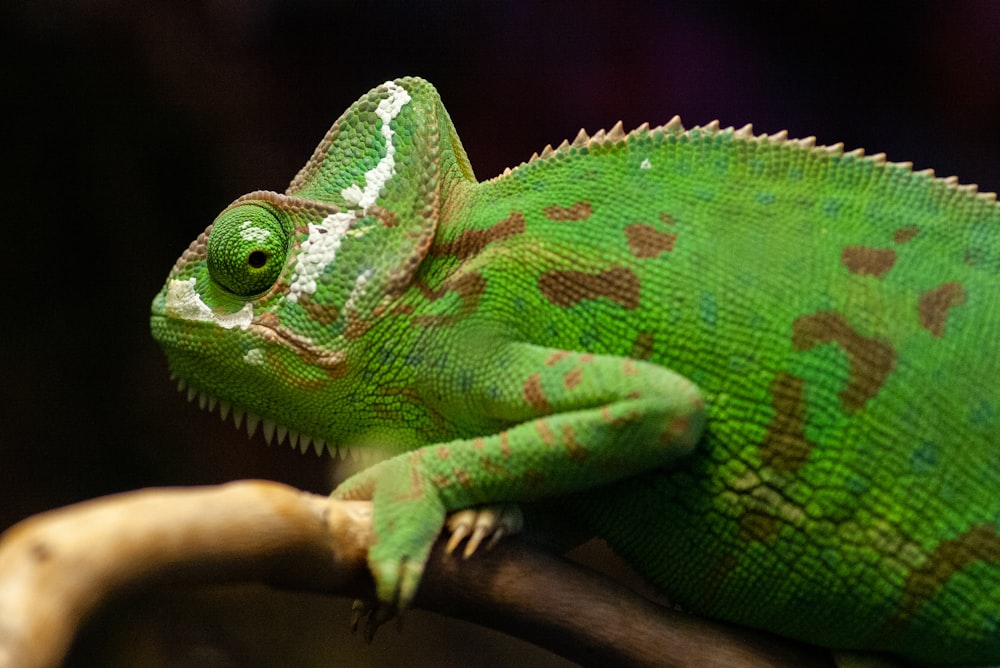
(257,259)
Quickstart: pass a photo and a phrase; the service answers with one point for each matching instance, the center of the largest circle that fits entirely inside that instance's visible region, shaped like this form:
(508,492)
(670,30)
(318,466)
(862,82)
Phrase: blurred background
(129,125)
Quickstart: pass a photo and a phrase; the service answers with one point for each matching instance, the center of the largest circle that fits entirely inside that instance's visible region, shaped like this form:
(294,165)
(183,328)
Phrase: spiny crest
(674,127)
(273,431)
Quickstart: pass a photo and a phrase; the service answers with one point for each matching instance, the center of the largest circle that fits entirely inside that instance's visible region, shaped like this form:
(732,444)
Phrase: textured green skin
(837,313)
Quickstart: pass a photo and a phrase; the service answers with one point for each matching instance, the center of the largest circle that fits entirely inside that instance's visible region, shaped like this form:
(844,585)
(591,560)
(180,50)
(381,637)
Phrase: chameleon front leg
(575,421)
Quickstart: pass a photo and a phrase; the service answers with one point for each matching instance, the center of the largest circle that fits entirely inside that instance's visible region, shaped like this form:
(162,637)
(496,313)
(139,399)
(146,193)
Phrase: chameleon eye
(246,249)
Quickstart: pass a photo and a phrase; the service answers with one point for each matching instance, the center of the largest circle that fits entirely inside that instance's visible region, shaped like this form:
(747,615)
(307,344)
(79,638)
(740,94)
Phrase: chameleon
(763,370)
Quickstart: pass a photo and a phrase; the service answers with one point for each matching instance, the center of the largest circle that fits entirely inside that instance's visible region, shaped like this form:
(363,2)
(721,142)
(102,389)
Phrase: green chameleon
(763,370)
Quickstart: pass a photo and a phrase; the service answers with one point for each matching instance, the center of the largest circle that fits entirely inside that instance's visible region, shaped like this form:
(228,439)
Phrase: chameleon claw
(479,524)
(459,524)
(495,538)
(375,615)
(359,610)
(474,540)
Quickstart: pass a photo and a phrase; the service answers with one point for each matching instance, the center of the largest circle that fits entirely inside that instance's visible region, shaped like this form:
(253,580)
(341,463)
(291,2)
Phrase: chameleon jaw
(270,429)
(362,456)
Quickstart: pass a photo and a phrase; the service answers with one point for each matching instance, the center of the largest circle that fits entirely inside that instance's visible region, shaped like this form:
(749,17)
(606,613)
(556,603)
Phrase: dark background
(128,125)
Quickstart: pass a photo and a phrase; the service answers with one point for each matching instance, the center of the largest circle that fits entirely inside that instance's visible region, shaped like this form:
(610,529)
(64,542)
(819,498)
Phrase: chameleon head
(281,303)
(266,298)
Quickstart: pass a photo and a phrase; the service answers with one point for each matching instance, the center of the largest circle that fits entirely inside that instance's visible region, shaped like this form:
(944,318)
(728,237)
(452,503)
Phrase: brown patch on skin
(493,468)
(645,242)
(402,310)
(479,443)
(785,446)
(400,278)
(566,288)
(677,426)
(578,211)
(572,378)
(416,490)
(868,261)
(905,233)
(357,326)
(545,432)
(980,544)
(574,450)
(280,288)
(463,477)
(443,452)
(667,219)
(586,358)
(386,217)
(335,372)
(504,439)
(441,481)
(759,527)
(871,360)
(268,319)
(331,361)
(629,368)
(534,395)
(933,306)
(469,287)
(608,418)
(471,242)
(556,357)
(642,347)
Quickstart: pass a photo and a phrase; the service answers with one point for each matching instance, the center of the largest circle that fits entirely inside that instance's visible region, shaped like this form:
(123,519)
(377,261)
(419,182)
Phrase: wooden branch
(57,567)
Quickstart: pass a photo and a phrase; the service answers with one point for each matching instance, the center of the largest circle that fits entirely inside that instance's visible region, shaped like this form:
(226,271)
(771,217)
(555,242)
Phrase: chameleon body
(765,371)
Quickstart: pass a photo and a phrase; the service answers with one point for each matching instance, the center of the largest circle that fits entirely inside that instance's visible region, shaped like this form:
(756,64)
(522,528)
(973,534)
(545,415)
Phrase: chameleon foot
(493,522)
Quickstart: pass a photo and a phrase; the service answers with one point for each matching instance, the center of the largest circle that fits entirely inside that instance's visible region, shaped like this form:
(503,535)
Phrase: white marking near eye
(645,164)
(184,303)
(317,252)
(358,290)
(254,357)
(379,175)
(249,232)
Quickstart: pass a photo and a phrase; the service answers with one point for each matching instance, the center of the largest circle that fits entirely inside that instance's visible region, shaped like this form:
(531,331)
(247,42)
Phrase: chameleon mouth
(269,428)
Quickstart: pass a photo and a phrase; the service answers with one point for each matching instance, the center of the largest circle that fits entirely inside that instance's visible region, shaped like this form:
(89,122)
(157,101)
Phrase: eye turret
(247,248)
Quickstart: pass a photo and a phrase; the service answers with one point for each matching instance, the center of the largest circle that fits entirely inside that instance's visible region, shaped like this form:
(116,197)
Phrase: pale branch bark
(58,567)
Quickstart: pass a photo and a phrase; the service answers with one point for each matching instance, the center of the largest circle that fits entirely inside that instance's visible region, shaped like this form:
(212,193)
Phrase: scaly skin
(762,370)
